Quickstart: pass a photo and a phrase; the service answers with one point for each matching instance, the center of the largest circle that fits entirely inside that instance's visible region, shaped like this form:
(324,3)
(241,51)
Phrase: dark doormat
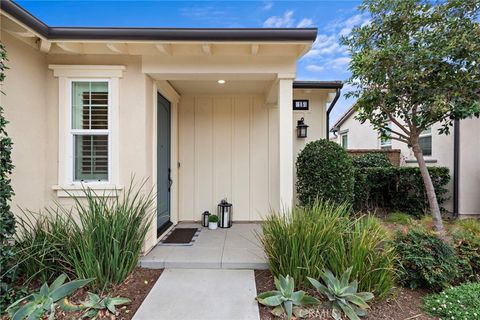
(181,236)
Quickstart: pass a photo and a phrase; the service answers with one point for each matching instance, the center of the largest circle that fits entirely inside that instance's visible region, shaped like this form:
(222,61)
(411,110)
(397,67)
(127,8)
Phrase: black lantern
(224,212)
(301,128)
(205,217)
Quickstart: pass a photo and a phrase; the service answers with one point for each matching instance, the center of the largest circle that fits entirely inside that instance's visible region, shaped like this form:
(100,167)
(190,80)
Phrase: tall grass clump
(306,241)
(42,239)
(99,237)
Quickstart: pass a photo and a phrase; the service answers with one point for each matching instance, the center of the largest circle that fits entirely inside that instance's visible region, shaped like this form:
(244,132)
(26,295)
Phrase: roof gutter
(157,34)
(456,167)
(330,108)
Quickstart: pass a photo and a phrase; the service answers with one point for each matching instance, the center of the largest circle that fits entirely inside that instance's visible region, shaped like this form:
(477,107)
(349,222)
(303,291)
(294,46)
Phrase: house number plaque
(300,104)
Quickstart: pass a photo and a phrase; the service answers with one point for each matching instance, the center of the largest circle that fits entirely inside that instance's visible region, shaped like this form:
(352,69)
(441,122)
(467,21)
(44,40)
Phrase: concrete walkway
(233,248)
(197,294)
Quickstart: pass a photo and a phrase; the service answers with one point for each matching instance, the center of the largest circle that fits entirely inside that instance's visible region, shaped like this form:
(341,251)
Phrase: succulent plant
(44,302)
(342,295)
(94,304)
(285,300)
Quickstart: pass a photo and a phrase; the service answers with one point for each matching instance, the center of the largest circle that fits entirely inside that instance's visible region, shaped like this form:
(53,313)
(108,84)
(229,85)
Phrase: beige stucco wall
(25,106)
(469,193)
(360,136)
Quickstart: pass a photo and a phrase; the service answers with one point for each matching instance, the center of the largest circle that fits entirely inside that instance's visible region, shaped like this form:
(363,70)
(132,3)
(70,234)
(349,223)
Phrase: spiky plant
(285,300)
(342,295)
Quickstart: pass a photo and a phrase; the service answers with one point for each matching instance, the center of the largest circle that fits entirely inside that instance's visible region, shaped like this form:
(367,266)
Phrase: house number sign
(300,104)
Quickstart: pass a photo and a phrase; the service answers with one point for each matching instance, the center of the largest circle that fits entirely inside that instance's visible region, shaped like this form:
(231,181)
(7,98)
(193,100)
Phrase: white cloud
(314,68)
(339,63)
(305,23)
(344,27)
(285,21)
(268,6)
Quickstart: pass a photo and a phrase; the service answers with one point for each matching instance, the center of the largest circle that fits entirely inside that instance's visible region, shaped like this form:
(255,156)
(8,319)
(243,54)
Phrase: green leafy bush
(99,238)
(324,170)
(342,295)
(285,300)
(398,188)
(455,303)
(467,249)
(7,219)
(371,160)
(308,240)
(424,260)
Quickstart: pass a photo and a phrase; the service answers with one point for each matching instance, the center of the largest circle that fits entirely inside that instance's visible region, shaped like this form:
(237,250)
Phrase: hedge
(398,188)
(324,171)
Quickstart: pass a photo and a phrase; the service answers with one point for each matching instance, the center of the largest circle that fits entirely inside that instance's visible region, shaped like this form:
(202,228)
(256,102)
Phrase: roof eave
(158,34)
(317,85)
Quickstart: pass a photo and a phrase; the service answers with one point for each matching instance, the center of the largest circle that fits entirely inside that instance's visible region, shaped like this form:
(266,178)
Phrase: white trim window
(88,143)
(386,143)
(344,140)
(90,130)
(425,141)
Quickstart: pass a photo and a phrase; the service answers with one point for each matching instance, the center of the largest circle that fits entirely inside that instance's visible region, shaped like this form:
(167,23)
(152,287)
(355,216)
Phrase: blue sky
(327,60)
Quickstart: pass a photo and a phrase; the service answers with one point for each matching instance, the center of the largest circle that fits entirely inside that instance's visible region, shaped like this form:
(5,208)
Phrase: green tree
(7,220)
(416,63)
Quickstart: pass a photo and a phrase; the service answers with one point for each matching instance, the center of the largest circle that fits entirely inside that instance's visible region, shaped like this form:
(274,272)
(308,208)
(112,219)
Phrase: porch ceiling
(213,87)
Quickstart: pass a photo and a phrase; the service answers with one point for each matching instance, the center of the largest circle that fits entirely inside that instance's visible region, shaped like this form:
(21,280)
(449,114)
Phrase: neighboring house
(459,151)
(205,114)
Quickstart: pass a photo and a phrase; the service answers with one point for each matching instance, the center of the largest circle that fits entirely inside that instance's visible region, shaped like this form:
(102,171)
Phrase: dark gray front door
(164,181)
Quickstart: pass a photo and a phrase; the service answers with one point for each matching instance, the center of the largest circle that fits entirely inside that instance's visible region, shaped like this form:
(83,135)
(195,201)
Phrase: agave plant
(44,302)
(95,304)
(285,300)
(342,295)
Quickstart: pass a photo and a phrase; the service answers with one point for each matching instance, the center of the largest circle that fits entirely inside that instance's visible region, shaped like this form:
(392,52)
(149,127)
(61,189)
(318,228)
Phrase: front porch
(235,248)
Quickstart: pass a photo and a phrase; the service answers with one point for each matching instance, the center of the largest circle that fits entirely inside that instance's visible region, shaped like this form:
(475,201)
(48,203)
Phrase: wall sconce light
(301,128)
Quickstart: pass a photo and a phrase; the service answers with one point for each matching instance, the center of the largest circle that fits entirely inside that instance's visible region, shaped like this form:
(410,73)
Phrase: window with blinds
(425,142)
(90,130)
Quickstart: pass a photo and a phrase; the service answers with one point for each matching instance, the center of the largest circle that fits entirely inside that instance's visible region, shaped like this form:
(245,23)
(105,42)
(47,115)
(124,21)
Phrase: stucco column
(285,118)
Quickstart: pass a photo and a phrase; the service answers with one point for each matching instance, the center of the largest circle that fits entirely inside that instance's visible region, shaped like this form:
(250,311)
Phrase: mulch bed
(136,288)
(403,304)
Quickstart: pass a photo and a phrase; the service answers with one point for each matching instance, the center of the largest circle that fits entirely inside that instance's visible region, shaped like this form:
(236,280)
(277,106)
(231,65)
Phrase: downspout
(456,166)
(330,107)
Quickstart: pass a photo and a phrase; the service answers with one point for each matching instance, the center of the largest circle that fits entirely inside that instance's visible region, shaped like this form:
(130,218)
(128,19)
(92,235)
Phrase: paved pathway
(233,248)
(198,294)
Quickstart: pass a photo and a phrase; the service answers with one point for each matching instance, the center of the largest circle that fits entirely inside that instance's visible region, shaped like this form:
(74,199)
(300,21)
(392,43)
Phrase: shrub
(398,217)
(309,240)
(455,303)
(7,219)
(398,188)
(324,170)
(102,238)
(467,249)
(424,260)
(371,160)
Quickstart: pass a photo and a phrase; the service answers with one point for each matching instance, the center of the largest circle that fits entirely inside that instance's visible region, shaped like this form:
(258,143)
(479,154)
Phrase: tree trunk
(432,197)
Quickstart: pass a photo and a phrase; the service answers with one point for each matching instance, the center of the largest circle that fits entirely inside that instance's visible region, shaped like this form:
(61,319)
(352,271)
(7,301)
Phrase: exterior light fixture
(221,81)
(301,128)
(224,212)
(205,217)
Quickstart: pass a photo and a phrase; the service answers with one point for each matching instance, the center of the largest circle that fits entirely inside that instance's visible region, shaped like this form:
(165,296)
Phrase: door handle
(170,181)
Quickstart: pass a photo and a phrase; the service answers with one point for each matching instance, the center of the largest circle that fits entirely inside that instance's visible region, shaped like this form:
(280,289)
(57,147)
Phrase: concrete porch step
(233,248)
